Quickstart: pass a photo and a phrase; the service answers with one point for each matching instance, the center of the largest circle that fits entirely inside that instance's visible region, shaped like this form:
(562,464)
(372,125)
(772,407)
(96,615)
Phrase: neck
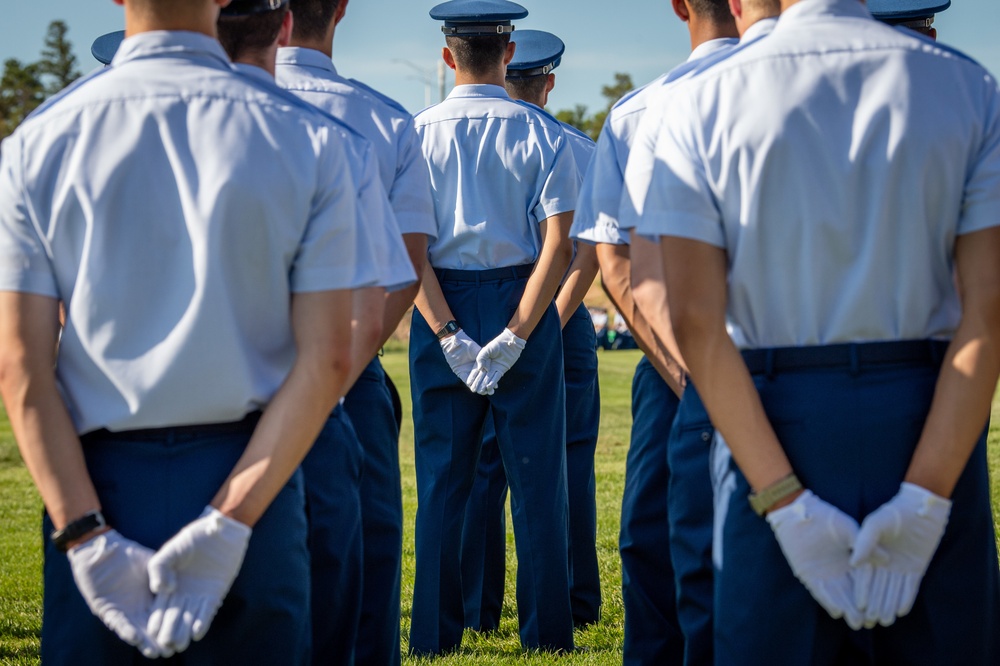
(144,19)
(263,59)
(705,31)
(324,45)
(496,78)
(747,20)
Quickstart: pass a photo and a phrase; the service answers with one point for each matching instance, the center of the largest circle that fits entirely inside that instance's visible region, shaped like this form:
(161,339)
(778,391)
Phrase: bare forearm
(616,279)
(430,301)
(968,379)
(367,314)
(540,290)
(649,293)
(44,431)
(696,278)
(578,281)
(398,303)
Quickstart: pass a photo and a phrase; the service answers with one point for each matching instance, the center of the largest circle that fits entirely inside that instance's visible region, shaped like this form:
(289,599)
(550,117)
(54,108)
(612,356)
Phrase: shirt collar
(253,71)
(810,9)
(478,90)
(710,47)
(759,29)
(296,55)
(160,43)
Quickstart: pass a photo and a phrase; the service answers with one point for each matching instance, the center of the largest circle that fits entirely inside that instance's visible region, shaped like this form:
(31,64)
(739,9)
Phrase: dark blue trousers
(528,411)
(332,472)
(652,632)
(689,509)
(151,483)
(484,534)
(850,433)
(369,407)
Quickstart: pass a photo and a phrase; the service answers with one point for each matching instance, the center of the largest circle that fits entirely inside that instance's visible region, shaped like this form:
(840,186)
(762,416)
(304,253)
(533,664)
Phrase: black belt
(246,424)
(853,356)
(490,275)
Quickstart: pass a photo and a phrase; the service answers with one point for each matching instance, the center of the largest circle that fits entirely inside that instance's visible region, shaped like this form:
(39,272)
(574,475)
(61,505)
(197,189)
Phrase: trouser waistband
(246,424)
(852,356)
(491,275)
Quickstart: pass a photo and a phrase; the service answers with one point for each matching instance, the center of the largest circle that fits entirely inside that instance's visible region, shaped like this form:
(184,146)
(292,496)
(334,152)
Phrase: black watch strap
(448,329)
(82,526)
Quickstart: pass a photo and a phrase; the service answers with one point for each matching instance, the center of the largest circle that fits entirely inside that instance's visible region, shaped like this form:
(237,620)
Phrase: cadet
(658,628)
(484,539)
(251,31)
(692,452)
(304,68)
(204,281)
(867,370)
(500,253)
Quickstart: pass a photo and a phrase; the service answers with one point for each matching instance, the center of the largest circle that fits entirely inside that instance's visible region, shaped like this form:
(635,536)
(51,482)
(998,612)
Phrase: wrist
(448,330)
(776,495)
(79,530)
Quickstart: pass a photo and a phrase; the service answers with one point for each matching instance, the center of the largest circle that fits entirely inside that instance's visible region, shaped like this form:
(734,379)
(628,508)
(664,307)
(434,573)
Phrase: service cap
(106,46)
(251,7)
(468,18)
(537,53)
(911,13)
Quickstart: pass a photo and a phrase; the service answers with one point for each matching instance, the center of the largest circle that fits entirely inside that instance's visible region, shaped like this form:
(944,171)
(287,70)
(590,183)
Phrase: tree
(58,62)
(592,125)
(21,91)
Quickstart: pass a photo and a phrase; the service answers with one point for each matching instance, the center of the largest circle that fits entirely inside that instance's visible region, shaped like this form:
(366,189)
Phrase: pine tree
(21,90)
(58,63)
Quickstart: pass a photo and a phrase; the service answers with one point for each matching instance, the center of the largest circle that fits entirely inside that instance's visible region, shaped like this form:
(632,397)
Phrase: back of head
(313,18)
(536,55)
(246,27)
(531,89)
(713,11)
(478,54)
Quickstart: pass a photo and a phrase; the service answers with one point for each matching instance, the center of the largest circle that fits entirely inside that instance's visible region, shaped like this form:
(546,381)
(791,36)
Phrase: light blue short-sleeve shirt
(824,162)
(498,169)
(596,217)
(380,256)
(174,207)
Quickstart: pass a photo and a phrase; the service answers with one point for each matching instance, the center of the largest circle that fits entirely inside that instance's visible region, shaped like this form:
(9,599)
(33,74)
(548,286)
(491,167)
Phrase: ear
(341,10)
(509,54)
(285,33)
(681,9)
(449,59)
(932,33)
(736,8)
(550,83)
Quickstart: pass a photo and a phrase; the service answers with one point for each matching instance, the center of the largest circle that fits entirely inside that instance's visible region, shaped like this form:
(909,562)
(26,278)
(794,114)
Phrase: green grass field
(20,538)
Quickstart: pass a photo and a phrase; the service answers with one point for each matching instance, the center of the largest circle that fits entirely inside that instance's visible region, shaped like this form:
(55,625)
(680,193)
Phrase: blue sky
(392,44)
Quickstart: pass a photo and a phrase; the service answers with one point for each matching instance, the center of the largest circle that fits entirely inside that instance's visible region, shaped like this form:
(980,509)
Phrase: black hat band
(491,29)
(529,73)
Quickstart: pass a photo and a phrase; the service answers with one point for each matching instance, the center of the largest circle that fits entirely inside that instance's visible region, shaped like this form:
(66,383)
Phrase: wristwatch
(448,329)
(82,526)
(761,501)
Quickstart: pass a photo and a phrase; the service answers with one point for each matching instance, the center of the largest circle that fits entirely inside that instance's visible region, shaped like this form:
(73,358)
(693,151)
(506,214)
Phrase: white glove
(460,351)
(190,575)
(899,539)
(494,360)
(816,538)
(110,572)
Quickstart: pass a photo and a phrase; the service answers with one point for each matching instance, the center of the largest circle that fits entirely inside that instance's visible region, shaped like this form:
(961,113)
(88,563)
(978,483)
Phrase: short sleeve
(596,218)
(328,250)
(639,168)
(410,196)
(679,200)
(981,197)
(25,264)
(559,188)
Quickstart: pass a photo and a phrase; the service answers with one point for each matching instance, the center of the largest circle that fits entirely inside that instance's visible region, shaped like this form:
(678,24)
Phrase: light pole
(426,76)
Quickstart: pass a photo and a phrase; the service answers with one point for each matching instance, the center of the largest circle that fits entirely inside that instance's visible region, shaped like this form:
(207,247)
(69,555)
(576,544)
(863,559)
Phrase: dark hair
(717,11)
(312,18)
(529,89)
(478,54)
(242,34)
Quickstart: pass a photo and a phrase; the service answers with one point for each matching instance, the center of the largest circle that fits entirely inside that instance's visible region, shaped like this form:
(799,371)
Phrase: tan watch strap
(762,501)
